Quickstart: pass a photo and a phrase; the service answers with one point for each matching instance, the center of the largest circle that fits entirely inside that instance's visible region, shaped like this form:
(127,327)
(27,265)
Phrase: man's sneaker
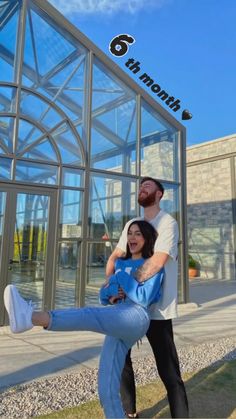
(19,311)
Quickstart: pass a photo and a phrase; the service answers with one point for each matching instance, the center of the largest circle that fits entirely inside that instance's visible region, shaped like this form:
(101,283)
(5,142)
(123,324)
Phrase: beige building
(211,203)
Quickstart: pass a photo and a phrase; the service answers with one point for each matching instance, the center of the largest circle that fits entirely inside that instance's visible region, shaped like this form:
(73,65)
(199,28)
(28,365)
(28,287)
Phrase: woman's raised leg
(123,321)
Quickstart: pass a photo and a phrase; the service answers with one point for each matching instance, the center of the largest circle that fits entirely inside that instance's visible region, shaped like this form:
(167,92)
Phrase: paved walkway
(39,354)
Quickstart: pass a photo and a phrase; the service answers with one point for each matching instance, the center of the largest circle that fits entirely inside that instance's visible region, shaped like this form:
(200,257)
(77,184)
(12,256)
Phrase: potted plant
(193,267)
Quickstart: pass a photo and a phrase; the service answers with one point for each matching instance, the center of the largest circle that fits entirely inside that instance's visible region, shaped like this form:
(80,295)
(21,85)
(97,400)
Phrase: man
(160,332)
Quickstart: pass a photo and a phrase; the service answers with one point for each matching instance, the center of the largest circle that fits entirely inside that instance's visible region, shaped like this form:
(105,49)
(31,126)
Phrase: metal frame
(58,21)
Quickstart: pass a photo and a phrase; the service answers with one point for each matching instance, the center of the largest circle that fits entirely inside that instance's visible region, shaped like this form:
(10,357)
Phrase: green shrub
(192,263)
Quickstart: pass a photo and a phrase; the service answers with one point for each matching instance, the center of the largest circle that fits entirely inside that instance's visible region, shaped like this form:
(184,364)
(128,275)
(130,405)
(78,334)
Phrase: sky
(187,46)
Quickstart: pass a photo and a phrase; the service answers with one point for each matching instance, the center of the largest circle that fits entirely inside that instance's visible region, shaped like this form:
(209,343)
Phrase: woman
(123,323)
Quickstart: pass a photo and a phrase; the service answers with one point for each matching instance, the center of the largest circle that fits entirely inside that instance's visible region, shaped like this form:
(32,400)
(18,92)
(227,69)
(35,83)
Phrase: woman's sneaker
(19,311)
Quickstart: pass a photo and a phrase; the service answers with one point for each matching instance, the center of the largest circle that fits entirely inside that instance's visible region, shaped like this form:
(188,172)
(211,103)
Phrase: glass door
(2,212)
(27,234)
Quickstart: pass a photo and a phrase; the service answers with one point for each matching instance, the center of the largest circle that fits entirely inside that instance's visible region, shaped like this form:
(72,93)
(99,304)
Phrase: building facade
(211,199)
(76,136)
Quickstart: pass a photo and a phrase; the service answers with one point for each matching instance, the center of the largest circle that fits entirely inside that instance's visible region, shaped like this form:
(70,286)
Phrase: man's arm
(152,265)
(166,247)
(110,267)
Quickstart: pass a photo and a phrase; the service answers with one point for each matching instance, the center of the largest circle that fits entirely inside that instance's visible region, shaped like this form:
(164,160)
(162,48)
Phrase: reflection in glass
(36,173)
(30,245)
(67,274)
(39,110)
(2,212)
(98,254)
(57,63)
(6,133)
(72,177)
(44,150)
(70,213)
(7,98)
(68,144)
(113,123)
(51,47)
(112,203)
(67,89)
(5,168)
(27,134)
(9,23)
(159,152)
(170,200)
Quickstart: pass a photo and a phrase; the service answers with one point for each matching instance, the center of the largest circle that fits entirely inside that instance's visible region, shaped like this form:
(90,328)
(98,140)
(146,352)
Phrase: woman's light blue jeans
(123,324)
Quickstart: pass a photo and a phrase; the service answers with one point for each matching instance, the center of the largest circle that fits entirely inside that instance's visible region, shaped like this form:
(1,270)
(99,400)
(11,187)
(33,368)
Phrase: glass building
(76,136)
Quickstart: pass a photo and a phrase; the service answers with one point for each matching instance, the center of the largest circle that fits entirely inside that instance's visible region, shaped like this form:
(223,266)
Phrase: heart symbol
(186,115)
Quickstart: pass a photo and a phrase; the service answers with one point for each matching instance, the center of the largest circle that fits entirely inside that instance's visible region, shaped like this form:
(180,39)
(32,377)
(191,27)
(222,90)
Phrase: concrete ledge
(187,308)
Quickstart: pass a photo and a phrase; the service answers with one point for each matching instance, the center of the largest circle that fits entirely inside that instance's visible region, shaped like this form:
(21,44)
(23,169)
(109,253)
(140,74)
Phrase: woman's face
(135,241)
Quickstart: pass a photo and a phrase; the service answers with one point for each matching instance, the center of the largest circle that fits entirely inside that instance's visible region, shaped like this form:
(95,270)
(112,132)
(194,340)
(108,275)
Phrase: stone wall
(210,207)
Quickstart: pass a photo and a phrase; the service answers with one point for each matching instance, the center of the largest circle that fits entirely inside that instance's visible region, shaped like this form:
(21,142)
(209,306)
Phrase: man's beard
(147,200)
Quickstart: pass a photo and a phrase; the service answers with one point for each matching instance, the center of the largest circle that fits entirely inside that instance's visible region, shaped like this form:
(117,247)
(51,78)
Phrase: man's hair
(149,234)
(158,184)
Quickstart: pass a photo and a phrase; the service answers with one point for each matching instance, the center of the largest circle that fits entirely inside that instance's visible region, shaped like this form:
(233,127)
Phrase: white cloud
(105,6)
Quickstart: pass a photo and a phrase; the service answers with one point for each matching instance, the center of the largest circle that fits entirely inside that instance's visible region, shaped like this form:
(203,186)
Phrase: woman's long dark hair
(149,234)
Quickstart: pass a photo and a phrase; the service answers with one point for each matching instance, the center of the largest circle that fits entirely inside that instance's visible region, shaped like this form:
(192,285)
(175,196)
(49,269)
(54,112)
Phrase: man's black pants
(160,336)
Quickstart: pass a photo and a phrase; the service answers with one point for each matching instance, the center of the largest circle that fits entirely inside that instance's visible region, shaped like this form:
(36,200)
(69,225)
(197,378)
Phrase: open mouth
(132,246)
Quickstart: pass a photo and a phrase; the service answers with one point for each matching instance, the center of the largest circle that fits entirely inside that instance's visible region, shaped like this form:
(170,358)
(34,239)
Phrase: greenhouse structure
(77,134)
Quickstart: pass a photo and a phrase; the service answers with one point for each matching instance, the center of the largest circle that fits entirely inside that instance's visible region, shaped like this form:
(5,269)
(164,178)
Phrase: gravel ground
(68,390)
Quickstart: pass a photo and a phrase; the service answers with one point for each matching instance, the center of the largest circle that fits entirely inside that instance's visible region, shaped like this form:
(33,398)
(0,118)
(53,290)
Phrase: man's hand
(121,293)
(114,299)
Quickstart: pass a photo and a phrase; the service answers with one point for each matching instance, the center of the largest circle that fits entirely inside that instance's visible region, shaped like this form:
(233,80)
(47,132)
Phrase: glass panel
(30,245)
(112,203)
(106,87)
(67,274)
(113,123)
(67,90)
(6,133)
(57,64)
(68,144)
(51,47)
(70,213)
(170,200)
(42,151)
(98,254)
(8,35)
(36,173)
(72,177)
(27,134)
(39,110)
(2,212)
(159,146)
(7,99)
(5,168)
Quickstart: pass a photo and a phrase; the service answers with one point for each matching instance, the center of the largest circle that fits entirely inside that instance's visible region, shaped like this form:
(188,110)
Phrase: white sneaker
(19,311)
